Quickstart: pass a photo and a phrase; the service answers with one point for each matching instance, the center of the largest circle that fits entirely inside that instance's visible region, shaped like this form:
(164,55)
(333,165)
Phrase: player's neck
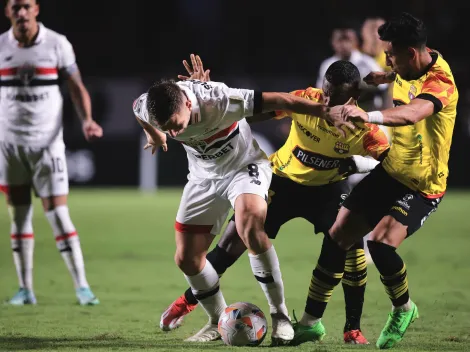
(26,39)
(423,61)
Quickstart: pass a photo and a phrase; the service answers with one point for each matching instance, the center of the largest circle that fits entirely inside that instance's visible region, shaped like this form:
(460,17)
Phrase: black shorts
(317,204)
(379,195)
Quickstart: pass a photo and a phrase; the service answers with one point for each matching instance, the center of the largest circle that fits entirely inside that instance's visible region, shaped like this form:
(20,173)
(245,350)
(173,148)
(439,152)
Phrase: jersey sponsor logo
(397,81)
(308,133)
(341,148)
(283,166)
(204,84)
(223,151)
(26,98)
(215,141)
(315,160)
(137,106)
(328,131)
(400,210)
(8,58)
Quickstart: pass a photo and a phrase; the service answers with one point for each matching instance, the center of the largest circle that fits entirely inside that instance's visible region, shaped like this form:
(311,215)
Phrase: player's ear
(188,104)
(36,9)
(412,53)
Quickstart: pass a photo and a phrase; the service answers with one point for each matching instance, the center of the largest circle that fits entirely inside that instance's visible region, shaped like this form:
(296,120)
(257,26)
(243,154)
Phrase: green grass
(127,239)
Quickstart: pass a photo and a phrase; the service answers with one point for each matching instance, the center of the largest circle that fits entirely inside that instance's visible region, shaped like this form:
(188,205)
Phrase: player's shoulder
(54,37)
(4,37)
(441,70)
(311,93)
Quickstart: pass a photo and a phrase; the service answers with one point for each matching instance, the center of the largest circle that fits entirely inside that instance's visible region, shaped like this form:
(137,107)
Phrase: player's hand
(91,130)
(197,71)
(354,113)
(376,78)
(159,140)
(338,118)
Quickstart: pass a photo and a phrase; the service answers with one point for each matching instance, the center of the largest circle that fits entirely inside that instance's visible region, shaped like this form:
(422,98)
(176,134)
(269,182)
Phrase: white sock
(22,243)
(404,307)
(265,267)
(309,320)
(205,286)
(68,243)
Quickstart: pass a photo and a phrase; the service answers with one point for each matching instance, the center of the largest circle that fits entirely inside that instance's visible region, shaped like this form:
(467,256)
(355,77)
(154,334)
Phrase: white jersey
(30,98)
(218,140)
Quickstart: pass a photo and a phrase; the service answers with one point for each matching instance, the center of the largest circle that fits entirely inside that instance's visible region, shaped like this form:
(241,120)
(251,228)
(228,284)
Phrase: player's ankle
(309,320)
(403,307)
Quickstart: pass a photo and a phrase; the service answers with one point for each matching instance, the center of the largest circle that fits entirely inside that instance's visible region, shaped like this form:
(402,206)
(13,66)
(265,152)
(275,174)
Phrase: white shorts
(43,169)
(204,207)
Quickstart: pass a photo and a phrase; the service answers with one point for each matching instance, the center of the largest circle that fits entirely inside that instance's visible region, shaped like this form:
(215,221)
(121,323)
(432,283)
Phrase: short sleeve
(139,108)
(243,102)
(375,141)
(438,88)
(66,55)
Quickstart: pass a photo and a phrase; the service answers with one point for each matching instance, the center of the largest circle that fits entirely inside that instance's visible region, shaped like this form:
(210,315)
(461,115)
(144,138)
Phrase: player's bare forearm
(80,97)
(153,132)
(415,111)
(261,117)
(291,103)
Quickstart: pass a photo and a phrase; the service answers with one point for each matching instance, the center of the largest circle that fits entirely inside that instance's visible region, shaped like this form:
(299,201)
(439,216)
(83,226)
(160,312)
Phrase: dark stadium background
(122,46)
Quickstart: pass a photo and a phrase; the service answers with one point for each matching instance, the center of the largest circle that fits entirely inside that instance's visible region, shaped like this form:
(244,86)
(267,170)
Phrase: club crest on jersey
(341,148)
(26,73)
(412,92)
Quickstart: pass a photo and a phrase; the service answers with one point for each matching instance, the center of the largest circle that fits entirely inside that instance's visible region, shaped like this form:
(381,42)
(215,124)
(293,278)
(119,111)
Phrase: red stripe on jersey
(4,189)
(222,133)
(21,236)
(65,236)
(187,228)
(38,70)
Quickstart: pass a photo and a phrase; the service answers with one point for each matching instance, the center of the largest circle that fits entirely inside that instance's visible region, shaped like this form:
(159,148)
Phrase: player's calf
(68,244)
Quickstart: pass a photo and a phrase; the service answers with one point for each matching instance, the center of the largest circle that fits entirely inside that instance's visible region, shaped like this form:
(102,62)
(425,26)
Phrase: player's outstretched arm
(415,111)
(82,103)
(272,101)
(155,138)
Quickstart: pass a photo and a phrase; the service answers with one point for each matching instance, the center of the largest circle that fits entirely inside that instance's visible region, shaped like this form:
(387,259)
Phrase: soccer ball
(242,324)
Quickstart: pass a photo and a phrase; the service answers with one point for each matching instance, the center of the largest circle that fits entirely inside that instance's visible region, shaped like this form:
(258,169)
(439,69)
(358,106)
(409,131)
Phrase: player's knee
(189,264)
(60,221)
(250,226)
(50,203)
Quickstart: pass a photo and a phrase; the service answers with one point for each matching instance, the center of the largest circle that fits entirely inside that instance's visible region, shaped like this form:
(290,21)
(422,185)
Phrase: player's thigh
(50,176)
(349,227)
(325,203)
(202,209)
(286,201)
(15,175)
(248,194)
(406,214)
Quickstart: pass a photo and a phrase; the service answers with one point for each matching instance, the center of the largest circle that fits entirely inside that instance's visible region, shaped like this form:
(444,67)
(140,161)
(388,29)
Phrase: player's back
(218,140)
(30,97)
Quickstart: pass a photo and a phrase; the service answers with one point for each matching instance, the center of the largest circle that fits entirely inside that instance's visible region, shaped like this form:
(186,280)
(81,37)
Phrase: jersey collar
(39,39)
(195,108)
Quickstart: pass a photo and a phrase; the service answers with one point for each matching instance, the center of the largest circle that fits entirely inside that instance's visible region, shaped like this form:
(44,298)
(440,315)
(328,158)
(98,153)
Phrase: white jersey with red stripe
(30,97)
(218,140)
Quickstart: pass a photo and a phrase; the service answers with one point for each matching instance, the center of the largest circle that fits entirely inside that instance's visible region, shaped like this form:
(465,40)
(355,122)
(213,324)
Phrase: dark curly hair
(404,31)
(164,99)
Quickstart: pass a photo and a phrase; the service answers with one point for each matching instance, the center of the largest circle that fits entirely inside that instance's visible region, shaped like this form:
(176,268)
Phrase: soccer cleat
(283,332)
(355,337)
(396,326)
(86,297)
(22,297)
(173,316)
(209,332)
(305,333)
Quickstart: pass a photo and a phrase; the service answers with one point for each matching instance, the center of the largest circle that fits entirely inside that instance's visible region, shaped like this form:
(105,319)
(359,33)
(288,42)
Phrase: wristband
(376,117)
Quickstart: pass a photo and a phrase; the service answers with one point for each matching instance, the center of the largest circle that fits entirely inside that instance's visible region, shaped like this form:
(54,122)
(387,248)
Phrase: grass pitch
(128,243)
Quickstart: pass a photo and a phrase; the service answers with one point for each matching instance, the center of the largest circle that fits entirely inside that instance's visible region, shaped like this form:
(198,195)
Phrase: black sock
(326,275)
(392,271)
(221,260)
(354,285)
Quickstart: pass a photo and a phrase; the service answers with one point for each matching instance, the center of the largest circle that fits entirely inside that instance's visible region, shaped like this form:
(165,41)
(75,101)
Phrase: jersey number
(57,165)
(253,170)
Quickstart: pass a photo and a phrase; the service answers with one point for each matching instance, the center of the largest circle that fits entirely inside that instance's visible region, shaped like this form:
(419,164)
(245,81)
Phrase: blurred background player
(315,194)
(400,194)
(32,151)
(371,43)
(227,169)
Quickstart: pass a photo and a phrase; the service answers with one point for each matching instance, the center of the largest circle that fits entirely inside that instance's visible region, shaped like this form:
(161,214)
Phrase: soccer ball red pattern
(243,324)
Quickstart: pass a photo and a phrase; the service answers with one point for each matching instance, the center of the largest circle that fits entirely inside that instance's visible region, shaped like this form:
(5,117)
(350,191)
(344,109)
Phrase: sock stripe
(207,294)
(329,273)
(265,280)
(21,236)
(396,275)
(66,236)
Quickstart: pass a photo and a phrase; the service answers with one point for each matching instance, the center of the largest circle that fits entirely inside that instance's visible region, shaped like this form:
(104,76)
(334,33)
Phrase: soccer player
(227,169)
(309,182)
(32,151)
(397,197)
